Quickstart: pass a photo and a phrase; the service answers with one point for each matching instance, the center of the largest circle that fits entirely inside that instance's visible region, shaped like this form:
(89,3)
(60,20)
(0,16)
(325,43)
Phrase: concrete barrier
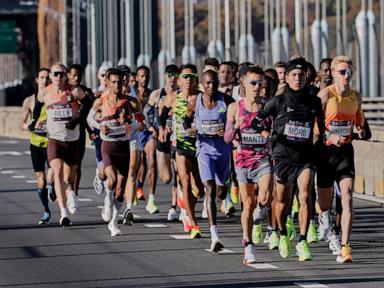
(369,155)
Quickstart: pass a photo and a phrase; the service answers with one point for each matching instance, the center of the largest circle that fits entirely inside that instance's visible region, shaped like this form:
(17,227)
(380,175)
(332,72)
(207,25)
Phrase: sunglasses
(58,73)
(172,75)
(347,71)
(188,75)
(254,82)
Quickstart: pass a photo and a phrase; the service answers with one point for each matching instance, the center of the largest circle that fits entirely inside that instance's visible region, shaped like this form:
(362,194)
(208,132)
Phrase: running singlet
(183,141)
(39,136)
(117,119)
(253,147)
(342,113)
(208,122)
(61,108)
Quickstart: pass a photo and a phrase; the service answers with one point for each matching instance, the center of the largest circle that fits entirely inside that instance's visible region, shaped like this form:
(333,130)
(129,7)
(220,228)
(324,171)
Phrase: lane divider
(155,225)
(310,285)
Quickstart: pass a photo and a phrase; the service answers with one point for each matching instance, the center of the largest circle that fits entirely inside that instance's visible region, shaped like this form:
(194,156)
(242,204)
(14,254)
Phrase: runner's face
(132,81)
(185,81)
(74,77)
(342,74)
(210,84)
(142,78)
(325,73)
(281,73)
(58,75)
(102,79)
(225,74)
(115,84)
(170,80)
(42,79)
(296,79)
(253,84)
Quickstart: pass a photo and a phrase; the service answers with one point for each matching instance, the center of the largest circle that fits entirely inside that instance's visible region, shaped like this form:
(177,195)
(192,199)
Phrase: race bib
(296,130)
(60,113)
(115,129)
(341,128)
(211,127)
(42,130)
(169,124)
(249,137)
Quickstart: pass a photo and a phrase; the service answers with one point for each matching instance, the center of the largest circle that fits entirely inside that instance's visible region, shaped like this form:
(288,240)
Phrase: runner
(63,117)
(226,78)
(38,146)
(342,109)
(163,153)
(295,115)
(280,68)
(253,161)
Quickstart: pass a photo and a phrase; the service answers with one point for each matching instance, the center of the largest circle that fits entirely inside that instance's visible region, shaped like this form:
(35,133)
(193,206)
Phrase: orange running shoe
(140,194)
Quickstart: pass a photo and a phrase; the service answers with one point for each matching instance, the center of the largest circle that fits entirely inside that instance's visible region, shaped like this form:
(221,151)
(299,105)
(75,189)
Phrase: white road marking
(27,152)
(30,181)
(10,153)
(8,142)
(155,225)
(223,251)
(310,285)
(7,172)
(262,266)
(84,200)
(180,237)
(100,207)
(18,176)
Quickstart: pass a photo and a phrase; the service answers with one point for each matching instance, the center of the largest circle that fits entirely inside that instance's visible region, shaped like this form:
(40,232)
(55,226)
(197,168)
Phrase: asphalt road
(150,253)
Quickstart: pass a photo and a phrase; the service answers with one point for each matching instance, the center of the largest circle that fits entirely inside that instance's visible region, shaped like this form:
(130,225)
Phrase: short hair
(77,67)
(272,73)
(61,65)
(189,66)
(311,72)
(124,68)
(113,71)
(212,62)
(329,60)
(243,67)
(255,69)
(226,63)
(280,64)
(42,69)
(145,68)
(211,73)
(341,59)
(172,68)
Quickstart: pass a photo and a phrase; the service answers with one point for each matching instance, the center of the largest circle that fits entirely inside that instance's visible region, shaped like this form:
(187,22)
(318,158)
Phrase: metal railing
(374,111)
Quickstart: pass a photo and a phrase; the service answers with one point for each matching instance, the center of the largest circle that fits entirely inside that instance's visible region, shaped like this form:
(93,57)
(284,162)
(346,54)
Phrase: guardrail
(374,111)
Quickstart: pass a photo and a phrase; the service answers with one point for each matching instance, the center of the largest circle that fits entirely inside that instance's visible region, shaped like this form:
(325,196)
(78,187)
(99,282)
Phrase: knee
(303,199)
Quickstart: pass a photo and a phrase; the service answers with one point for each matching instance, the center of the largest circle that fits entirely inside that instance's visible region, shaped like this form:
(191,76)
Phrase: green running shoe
(285,247)
(295,205)
(273,241)
(302,250)
(291,231)
(312,234)
(152,207)
(257,234)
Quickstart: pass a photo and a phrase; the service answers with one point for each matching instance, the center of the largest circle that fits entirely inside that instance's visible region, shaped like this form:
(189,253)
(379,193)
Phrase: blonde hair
(341,59)
(59,64)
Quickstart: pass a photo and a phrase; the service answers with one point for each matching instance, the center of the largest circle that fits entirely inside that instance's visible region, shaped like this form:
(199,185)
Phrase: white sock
(151,197)
(214,234)
(129,206)
(64,212)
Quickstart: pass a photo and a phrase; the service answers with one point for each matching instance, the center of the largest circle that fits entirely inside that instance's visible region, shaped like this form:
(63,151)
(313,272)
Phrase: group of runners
(241,134)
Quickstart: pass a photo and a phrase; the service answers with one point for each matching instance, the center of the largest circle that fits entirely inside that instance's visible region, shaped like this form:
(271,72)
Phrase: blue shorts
(142,138)
(215,167)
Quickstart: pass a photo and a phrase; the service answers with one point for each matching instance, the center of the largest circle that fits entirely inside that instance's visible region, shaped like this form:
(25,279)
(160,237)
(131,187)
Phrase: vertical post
(306,30)
(382,47)
(172,29)
(344,26)
(266,34)
(227,31)
(298,26)
(236,28)
(338,35)
(63,20)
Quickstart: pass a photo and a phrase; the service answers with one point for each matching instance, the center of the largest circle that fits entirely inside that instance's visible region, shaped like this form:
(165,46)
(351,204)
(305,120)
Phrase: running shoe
(312,234)
(266,238)
(235,194)
(334,244)
(152,206)
(204,212)
(65,222)
(249,254)
(98,185)
(114,229)
(45,218)
(135,202)
(51,193)
(180,197)
(273,242)
(285,248)
(291,231)
(344,255)
(71,202)
(229,209)
(106,212)
(295,204)
(195,232)
(257,233)
(186,222)
(325,223)
(140,194)
(127,217)
(172,214)
(216,246)
(302,250)
(195,192)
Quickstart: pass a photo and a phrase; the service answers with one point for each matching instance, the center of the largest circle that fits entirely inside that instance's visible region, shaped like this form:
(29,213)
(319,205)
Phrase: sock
(260,214)
(302,237)
(129,206)
(173,206)
(43,195)
(64,212)
(151,197)
(214,234)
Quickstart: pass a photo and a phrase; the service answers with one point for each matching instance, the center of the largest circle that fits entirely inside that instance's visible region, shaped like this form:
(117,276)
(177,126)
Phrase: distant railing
(374,111)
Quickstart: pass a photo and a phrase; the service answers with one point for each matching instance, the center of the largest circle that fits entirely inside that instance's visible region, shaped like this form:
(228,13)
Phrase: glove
(31,127)
(257,125)
(71,124)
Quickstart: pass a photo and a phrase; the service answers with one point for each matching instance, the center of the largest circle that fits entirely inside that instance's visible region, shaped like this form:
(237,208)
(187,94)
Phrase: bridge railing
(374,111)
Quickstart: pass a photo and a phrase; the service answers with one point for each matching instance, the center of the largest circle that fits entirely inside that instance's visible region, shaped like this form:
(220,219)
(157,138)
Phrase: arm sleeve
(148,109)
(91,119)
(35,115)
(164,116)
(230,132)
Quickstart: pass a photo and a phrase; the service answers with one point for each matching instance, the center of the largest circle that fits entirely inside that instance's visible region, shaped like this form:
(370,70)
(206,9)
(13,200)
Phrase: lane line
(155,225)
(84,200)
(7,172)
(9,142)
(18,176)
(27,152)
(180,237)
(10,153)
(30,181)
(223,251)
(262,266)
(310,285)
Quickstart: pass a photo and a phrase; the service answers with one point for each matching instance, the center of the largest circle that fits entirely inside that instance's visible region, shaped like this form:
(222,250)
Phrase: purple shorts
(215,167)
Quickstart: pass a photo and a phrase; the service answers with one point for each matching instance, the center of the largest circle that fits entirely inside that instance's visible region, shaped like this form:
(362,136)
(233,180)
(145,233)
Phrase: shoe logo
(290,109)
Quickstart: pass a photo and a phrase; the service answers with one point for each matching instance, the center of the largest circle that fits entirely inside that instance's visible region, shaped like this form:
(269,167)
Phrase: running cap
(298,63)
(124,68)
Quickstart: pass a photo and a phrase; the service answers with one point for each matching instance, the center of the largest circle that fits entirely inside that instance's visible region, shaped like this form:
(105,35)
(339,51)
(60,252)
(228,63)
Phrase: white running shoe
(334,244)
(216,246)
(325,226)
(106,213)
(71,202)
(172,215)
(204,212)
(113,225)
(98,185)
(249,254)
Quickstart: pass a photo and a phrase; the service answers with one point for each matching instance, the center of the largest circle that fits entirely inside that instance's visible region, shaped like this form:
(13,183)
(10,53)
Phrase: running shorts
(68,151)
(116,154)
